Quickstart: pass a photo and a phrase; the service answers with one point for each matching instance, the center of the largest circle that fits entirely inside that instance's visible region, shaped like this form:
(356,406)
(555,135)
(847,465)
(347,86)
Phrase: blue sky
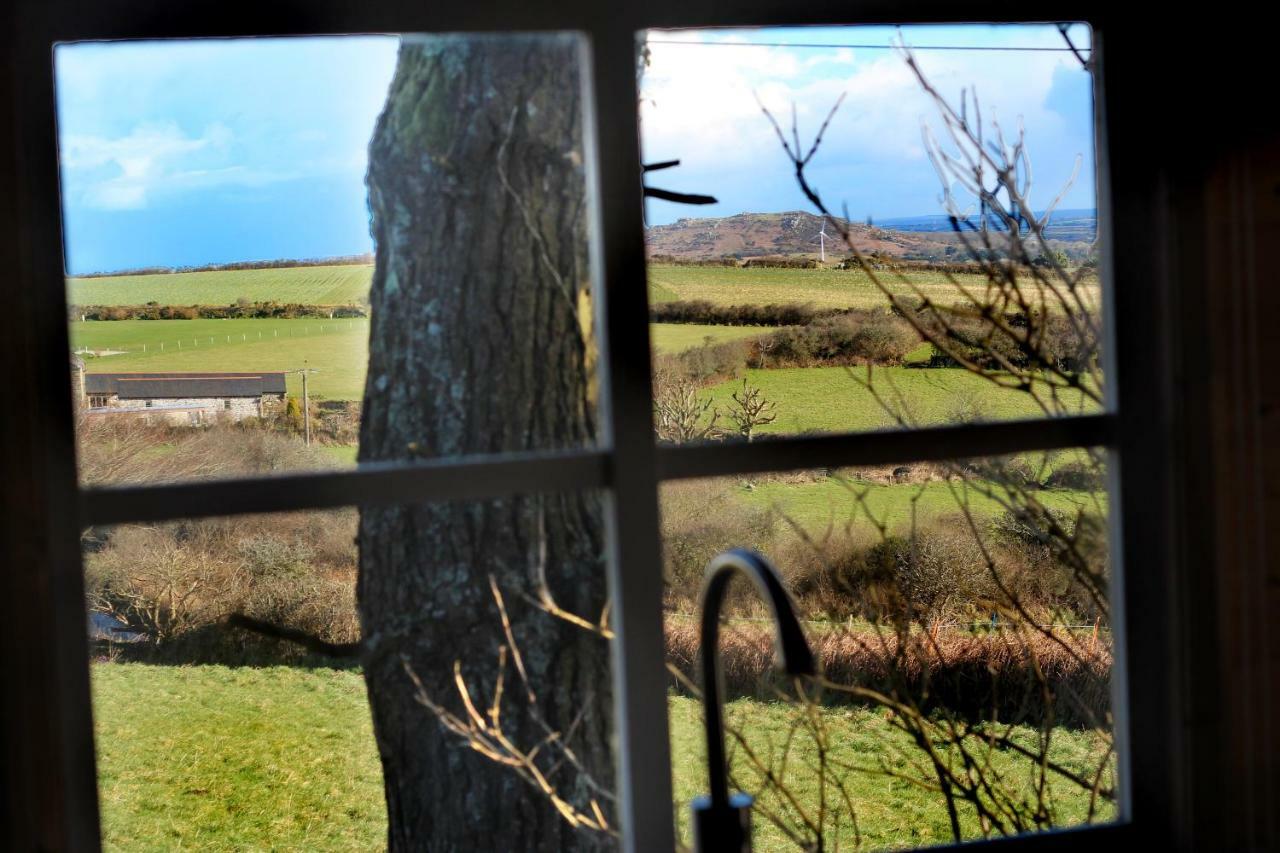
(206,151)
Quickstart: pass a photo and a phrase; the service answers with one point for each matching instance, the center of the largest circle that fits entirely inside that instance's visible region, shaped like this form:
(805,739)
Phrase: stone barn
(184,398)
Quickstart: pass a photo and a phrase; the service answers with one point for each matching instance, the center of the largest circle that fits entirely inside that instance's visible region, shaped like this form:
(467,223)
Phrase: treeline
(279,263)
(775,261)
(823,337)
(705,313)
(239,311)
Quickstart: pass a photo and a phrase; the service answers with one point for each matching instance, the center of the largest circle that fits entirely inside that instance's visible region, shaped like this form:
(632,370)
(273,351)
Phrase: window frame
(627,464)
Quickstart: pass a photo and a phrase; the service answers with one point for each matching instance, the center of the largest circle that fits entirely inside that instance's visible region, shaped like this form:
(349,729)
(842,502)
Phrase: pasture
(836,399)
(220,758)
(823,288)
(819,502)
(335,285)
(337,349)
(678,337)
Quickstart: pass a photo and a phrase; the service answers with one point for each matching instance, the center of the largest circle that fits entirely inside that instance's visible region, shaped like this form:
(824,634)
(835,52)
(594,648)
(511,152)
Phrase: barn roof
(134,386)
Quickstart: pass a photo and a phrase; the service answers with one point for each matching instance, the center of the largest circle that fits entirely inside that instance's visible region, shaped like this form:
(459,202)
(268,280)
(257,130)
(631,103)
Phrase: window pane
(213,732)
(932,281)
(324,250)
(960,616)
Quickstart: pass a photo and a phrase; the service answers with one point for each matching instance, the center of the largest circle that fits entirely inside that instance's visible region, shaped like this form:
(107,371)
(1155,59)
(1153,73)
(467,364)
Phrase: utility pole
(306,411)
(306,403)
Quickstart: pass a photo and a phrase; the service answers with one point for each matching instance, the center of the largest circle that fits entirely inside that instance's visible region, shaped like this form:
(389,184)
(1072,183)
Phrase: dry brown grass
(178,581)
(969,674)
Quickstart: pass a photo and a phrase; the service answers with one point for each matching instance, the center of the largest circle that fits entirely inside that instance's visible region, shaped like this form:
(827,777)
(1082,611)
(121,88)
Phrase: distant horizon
(361,258)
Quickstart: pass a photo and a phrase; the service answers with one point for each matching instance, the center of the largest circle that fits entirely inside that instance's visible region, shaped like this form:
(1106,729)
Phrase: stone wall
(239,408)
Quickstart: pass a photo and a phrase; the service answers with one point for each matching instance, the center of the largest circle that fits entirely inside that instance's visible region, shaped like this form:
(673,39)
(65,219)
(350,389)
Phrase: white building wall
(240,407)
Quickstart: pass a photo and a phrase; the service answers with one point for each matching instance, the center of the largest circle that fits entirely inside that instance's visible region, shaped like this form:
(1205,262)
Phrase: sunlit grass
(678,337)
(338,350)
(836,399)
(218,758)
(825,288)
(318,285)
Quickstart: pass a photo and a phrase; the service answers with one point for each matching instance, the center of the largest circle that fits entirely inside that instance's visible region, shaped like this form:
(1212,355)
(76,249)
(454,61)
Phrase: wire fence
(195,342)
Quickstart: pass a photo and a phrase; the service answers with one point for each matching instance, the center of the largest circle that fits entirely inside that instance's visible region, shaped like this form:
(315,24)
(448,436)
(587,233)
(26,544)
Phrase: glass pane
(298,250)
(926,278)
(959,614)
(246,697)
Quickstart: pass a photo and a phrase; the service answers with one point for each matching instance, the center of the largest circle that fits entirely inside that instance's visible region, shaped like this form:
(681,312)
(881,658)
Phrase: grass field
(336,285)
(807,398)
(217,758)
(825,288)
(678,337)
(832,502)
(338,349)
(831,398)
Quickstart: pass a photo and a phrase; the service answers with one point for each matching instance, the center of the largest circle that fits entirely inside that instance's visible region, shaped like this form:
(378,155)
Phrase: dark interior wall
(1197,212)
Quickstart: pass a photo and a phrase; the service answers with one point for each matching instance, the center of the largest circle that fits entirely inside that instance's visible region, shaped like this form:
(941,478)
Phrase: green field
(336,285)
(678,337)
(826,288)
(826,398)
(338,349)
(831,502)
(218,758)
(832,398)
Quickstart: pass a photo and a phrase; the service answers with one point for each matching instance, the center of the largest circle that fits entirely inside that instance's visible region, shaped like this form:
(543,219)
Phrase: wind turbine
(822,242)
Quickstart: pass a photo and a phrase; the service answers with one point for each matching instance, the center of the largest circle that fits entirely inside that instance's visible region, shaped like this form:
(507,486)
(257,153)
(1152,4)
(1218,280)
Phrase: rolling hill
(796,233)
(790,233)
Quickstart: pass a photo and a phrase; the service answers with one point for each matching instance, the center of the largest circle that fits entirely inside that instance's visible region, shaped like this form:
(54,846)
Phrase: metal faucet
(722,824)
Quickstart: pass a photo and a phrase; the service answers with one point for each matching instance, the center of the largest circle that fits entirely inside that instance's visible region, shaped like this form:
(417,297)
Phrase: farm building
(181,398)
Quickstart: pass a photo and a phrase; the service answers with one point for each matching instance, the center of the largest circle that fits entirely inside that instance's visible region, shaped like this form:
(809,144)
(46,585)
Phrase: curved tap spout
(719,823)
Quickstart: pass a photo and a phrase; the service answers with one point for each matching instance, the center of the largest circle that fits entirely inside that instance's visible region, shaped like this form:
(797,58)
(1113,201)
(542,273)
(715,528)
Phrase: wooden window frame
(56,750)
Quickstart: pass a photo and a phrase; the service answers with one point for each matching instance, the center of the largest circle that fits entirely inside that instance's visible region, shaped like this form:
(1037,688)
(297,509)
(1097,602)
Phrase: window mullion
(380,483)
(889,447)
(640,677)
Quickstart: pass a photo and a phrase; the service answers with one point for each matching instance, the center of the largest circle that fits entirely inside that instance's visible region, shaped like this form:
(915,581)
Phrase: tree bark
(479,344)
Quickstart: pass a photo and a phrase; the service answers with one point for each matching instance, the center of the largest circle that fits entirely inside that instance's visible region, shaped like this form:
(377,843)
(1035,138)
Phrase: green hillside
(824,288)
(335,285)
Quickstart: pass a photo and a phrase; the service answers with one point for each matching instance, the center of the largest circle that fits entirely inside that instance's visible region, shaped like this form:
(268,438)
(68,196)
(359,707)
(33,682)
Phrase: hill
(791,233)
(921,238)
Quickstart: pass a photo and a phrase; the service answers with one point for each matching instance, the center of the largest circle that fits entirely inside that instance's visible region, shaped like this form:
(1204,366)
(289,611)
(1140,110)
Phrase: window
(226,404)
(627,465)
(97,401)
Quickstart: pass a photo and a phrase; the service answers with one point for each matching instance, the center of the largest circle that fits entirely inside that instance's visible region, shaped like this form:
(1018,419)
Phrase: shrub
(781,262)
(1080,476)
(871,337)
(710,314)
(177,582)
(701,518)
(710,363)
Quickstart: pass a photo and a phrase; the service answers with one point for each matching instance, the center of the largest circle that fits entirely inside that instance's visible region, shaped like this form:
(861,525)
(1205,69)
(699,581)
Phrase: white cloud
(155,158)
(699,102)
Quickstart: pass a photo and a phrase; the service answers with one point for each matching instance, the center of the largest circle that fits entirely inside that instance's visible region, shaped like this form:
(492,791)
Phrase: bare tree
(751,409)
(680,412)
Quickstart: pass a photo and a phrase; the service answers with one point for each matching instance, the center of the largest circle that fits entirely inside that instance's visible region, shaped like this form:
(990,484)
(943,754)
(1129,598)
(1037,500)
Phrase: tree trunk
(478,198)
